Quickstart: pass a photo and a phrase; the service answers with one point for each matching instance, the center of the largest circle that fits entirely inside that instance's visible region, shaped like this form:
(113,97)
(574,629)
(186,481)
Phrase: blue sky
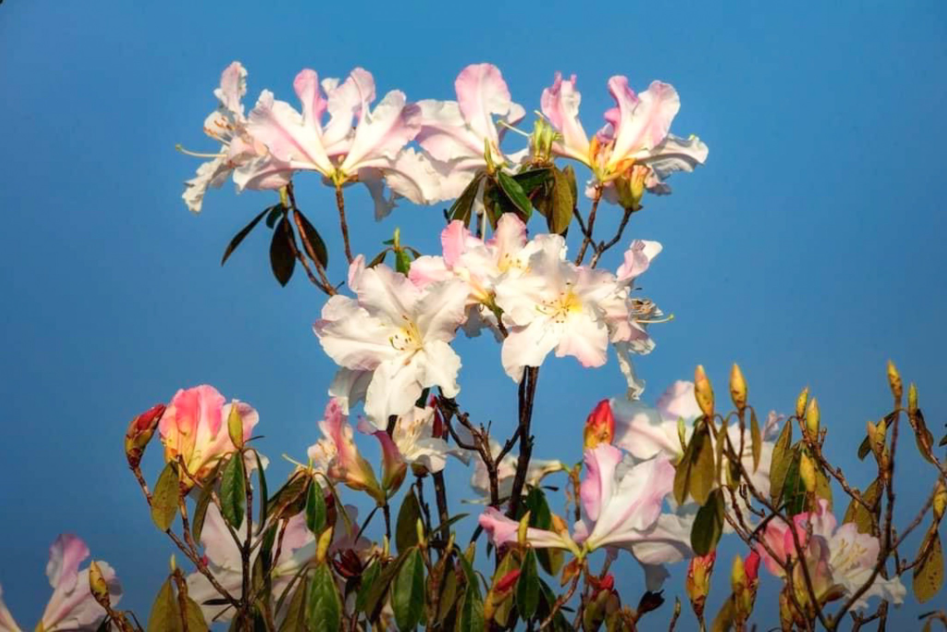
(809,249)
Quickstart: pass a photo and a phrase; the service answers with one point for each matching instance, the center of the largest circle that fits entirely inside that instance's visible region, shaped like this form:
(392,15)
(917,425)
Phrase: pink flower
(636,135)
(239,150)
(503,531)
(342,460)
(72,606)
(460,132)
(194,428)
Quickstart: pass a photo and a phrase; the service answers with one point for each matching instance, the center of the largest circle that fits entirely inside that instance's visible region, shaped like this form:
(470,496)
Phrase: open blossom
(72,606)
(337,456)
(459,133)
(298,551)
(399,332)
(414,437)
(228,125)
(194,428)
(836,556)
(634,150)
(357,143)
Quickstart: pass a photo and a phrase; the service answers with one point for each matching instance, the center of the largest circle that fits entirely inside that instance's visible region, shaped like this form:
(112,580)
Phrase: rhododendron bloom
(399,332)
(555,305)
(836,556)
(72,606)
(503,531)
(415,439)
(356,143)
(194,429)
(228,125)
(636,135)
(337,454)
(460,132)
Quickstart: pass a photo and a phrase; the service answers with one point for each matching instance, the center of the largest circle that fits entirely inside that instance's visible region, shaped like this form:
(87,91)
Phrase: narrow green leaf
(164,500)
(928,576)
(857,513)
(200,511)
(780,462)
(261,476)
(514,192)
(756,439)
(540,517)
(368,579)
(864,449)
(406,531)
(165,612)
(235,426)
(282,260)
(295,619)
(563,204)
(723,622)
(233,491)
(315,239)
(569,173)
(682,473)
(448,595)
(194,616)
(531,180)
(461,209)
(324,610)
(379,588)
(527,586)
(923,437)
(275,212)
(239,237)
(402,261)
(407,593)
(702,477)
(290,499)
(316,510)
(708,525)
(471,615)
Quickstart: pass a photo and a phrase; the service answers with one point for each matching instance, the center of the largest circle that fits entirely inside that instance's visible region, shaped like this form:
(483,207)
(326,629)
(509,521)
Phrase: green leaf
(261,476)
(448,595)
(779,467)
(239,237)
(794,495)
(527,586)
(471,614)
(563,204)
(379,588)
(461,209)
(923,437)
(324,610)
(708,525)
(756,439)
(407,593)
(503,606)
(540,517)
(194,616)
(282,259)
(531,180)
(929,574)
(295,619)
(200,511)
(682,473)
(315,240)
(857,513)
(165,499)
(724,619)
(316,510)
(165,612)
(569,173)
(275,212)
(369,577)
(290,499)
(402,261)
(379,258)
(864,449)
(406,531)
(515,194)
(700,479)
(233,491)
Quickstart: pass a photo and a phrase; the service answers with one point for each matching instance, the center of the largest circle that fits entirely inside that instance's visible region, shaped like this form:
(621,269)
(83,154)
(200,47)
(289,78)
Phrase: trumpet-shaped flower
(194,428)
(836,556)
(414,436)
(72,606)
(400,333)
(356,143)
(555,305)
(503,531)
(636,135)
(337,456)
(228,125)
(460,132)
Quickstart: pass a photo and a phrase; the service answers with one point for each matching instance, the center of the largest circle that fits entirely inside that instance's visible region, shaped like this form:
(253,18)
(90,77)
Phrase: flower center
(559,308)
(407,338)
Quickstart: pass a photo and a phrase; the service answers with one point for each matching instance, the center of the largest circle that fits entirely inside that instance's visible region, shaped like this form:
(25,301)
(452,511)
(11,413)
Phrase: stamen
(513,129)
(187,152)
(657,320)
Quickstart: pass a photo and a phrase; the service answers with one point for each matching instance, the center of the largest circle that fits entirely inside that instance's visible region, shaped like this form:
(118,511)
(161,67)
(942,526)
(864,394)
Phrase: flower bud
(98,586)
(801,402)
(940,500)
(322,546)
(752,567)
(506,583)
(140,431)
(698,580)
(737,387)
(807,472)
(812,419)
(599,426)
(737,575)
(630,187)
(894,381)
(704,392)
(419,527)
(912,399)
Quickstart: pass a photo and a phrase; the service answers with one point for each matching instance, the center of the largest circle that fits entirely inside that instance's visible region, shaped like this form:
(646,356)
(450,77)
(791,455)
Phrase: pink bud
(600,425)
(752,566)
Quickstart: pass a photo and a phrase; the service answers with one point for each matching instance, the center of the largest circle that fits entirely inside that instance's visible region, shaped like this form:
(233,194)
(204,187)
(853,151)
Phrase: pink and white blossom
(637,133)
(239,149)
(399,332)
(72,606)
(337,455)
(194,428)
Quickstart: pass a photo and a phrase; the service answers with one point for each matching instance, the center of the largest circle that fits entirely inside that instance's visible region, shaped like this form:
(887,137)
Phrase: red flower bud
(507,582)
(139,433)
(600,425)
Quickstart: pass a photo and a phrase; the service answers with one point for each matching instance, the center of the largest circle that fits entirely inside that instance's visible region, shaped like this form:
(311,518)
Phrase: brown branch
(590,228)
(340,203)
(602,247)
(527,394)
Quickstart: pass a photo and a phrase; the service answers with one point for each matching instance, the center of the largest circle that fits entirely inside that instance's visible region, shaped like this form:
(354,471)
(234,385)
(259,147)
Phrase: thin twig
(340,203)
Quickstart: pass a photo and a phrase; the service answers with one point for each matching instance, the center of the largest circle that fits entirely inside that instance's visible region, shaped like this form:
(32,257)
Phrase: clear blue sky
(810,249)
